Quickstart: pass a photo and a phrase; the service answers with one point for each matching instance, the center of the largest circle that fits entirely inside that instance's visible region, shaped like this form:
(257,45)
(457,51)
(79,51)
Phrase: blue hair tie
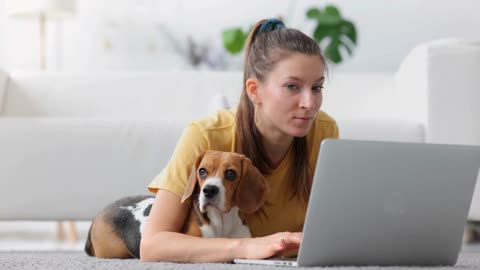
(270,25)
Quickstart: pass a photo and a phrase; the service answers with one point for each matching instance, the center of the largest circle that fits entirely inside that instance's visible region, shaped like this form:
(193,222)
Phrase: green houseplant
(332,31)
(338,32)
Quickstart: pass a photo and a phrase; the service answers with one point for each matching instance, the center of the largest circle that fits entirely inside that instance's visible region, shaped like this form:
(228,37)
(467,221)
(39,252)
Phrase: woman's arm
(162,240)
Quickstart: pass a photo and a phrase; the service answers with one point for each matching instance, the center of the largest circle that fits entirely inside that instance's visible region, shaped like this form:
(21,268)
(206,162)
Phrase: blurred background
(187,34)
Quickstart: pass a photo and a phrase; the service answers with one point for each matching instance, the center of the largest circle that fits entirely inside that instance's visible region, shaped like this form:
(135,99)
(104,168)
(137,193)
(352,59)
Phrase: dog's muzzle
(210,191)
(210,196)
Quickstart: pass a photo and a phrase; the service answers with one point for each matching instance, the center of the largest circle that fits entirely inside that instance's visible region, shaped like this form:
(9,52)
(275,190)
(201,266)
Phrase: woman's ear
(252,85)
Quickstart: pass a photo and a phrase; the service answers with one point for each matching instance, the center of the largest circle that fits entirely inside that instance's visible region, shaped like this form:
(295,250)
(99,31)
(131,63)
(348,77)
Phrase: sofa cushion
(120,95)
(182,94)
(60,168)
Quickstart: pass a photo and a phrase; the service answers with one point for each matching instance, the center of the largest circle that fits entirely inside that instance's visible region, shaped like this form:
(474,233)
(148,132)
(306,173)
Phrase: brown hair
(263,51)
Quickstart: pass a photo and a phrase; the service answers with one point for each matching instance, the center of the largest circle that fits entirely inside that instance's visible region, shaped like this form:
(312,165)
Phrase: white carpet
(61,260)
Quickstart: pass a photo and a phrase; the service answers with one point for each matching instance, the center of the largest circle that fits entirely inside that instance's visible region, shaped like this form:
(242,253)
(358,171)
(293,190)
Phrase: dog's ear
(192,179)
(252,191)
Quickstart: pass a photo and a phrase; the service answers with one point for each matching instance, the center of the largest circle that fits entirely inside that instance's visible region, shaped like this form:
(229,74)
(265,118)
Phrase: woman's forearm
(177,247)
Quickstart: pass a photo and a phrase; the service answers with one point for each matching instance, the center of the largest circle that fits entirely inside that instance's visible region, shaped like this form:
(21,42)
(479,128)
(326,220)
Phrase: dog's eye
(230,174)
(202,172)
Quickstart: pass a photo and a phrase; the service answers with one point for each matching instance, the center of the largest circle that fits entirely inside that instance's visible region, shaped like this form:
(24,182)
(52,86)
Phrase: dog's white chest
(225,225)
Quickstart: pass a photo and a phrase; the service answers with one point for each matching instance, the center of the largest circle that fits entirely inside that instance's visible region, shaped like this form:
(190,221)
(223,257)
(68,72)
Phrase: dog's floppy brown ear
(192,179)
(252,191)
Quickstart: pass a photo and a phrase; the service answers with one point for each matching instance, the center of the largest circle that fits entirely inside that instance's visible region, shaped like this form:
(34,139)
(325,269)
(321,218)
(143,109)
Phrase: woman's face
(291,96)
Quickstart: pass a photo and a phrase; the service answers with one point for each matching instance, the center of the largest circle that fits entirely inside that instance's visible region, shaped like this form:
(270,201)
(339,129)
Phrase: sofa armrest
(454,93)
(439,80)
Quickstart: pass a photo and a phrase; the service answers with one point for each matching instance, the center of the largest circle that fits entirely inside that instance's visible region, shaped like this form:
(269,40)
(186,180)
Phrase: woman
(278,125)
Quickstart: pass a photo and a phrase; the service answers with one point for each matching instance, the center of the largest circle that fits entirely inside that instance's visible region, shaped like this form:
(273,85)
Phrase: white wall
(127,34)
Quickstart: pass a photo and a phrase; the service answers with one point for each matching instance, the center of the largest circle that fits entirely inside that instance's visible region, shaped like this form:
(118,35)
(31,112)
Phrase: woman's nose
(307,99)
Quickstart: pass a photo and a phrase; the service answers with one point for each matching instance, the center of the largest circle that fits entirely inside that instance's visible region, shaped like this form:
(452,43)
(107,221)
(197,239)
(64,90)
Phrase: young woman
(278,125)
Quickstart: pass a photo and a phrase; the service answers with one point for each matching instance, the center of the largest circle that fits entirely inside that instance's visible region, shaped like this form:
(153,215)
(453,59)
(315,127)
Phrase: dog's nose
(210,191)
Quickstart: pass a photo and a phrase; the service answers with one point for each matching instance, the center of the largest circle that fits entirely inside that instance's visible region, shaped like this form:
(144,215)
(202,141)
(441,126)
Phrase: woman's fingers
(288,238)
(272,245)
(289,241)
(290,244)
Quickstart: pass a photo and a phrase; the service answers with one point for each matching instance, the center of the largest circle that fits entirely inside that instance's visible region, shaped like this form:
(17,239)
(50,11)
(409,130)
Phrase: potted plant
(332,31)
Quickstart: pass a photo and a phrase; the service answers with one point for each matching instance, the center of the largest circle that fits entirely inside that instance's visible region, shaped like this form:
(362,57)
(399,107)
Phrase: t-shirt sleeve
(335,132)
(174,176)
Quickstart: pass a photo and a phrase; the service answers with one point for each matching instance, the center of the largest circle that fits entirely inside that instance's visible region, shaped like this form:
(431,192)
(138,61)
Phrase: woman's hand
(269,246)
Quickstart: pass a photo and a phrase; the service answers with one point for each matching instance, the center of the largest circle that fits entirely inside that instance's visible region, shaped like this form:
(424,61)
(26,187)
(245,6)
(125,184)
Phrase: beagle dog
(220,189)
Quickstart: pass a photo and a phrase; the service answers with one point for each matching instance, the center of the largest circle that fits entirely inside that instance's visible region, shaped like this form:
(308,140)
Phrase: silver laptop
(386,204)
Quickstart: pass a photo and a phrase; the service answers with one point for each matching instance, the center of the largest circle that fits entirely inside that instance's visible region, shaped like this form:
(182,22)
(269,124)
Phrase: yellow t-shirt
(217,132)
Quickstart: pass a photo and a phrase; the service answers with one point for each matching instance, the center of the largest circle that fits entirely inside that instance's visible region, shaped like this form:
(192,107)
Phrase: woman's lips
(303,119)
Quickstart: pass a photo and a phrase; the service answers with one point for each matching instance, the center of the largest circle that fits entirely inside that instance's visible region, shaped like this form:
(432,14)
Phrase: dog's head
(224,180)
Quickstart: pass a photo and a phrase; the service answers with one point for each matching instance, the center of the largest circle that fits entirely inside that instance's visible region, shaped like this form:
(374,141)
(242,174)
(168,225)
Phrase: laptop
(386,204)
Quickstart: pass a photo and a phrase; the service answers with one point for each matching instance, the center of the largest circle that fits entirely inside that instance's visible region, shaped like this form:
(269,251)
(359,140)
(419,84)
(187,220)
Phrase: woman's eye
(202,172)
(230,175)
(317,88)
(291,86)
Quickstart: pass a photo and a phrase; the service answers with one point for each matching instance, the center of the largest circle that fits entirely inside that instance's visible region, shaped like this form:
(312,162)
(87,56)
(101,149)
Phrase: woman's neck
(275,142)
(276,146)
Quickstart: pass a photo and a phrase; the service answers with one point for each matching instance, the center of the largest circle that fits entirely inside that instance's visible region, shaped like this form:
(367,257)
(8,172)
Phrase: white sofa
(72,142)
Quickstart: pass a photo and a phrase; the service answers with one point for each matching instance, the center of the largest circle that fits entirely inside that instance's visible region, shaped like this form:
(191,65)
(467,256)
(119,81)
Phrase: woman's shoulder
(324,126)
(217,129)
(221,119)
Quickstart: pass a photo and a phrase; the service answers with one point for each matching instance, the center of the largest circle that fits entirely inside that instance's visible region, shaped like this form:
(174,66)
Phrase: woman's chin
(300,132)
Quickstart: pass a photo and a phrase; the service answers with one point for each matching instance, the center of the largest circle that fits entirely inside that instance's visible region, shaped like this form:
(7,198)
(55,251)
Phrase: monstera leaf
(339,32)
